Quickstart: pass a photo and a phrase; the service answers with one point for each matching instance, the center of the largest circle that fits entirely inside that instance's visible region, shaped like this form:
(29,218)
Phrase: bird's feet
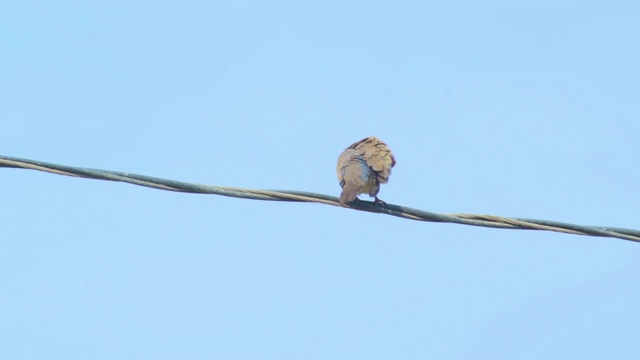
(379,203)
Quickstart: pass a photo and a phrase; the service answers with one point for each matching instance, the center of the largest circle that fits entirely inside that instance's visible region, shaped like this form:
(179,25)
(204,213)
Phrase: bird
(362,167)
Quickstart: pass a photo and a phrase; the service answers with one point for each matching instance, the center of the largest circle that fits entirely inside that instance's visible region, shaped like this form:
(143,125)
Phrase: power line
(302,196)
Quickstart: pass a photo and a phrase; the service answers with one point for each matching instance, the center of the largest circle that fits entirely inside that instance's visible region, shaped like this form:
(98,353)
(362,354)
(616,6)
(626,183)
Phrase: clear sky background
(514,108)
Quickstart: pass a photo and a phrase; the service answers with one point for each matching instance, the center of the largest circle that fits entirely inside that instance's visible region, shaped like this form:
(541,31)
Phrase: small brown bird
(362,167)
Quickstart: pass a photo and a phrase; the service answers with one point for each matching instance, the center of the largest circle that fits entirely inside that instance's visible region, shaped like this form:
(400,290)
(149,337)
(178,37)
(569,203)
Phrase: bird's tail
(349,193)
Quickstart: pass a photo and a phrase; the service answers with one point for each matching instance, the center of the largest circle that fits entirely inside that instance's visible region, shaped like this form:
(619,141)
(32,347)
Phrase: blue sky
(513,108)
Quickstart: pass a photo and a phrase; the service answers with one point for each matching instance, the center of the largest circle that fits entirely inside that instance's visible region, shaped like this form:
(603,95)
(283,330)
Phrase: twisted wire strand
(491,221)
